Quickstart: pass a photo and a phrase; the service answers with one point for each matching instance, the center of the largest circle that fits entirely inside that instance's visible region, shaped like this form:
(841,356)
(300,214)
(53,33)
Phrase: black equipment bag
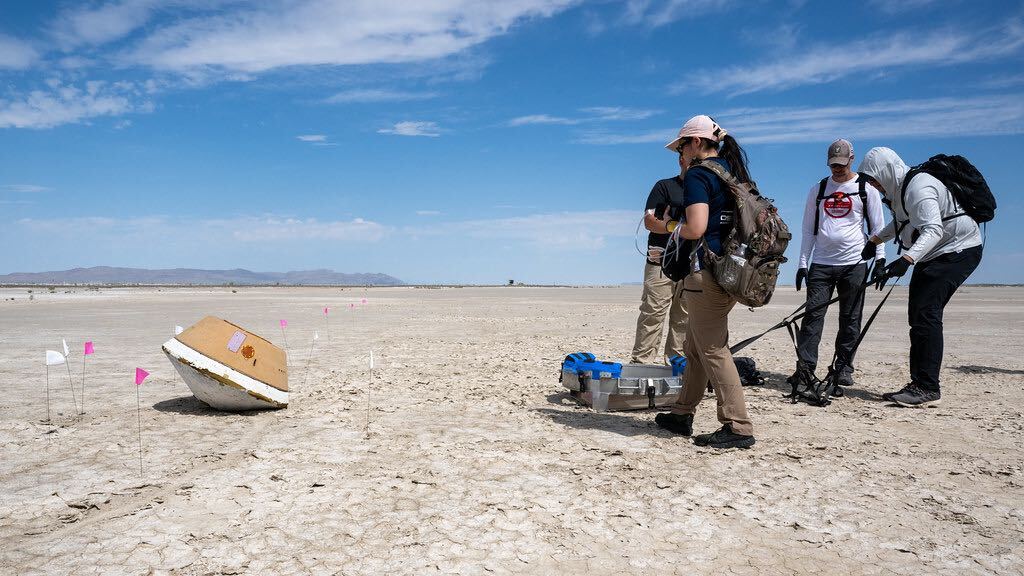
(749,374)
(963,180)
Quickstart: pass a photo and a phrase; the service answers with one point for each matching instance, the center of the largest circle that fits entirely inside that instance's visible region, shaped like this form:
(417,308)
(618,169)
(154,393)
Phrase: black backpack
(964,181)
(749,374)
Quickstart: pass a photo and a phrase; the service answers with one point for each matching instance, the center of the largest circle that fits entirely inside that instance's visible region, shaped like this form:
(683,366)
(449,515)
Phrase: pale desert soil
(476,462)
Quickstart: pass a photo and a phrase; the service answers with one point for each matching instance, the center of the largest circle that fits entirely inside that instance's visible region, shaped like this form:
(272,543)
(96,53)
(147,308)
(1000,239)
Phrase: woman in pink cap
(707,212)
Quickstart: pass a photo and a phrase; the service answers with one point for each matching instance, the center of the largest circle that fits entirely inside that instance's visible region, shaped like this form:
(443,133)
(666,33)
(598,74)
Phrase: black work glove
(898,268)
(877,276)
(801,275)
(869,251)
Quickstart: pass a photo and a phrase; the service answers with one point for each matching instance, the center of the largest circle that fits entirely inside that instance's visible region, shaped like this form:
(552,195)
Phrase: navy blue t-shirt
(667,193)
(701,186)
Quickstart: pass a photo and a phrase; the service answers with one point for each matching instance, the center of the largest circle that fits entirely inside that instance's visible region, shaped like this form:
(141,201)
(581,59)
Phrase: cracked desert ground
(475,461)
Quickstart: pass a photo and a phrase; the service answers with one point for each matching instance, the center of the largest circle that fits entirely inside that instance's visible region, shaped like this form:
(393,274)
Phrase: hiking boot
(888,396)
(795,377)
(916,397)
(845,379)
(837,392)
(675,423)
(724,438)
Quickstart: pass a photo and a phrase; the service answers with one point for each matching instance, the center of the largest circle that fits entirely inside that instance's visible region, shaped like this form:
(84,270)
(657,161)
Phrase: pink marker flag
(283,323)
(89,349)
(140,375)
(352,305)
(364,301)
(325,310)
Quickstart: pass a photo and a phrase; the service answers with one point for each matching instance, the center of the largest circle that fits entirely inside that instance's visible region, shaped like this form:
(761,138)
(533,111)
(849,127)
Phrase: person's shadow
(974,369)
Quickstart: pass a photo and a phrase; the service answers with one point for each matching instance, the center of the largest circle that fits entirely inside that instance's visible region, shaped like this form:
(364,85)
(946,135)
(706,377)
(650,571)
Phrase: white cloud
(592,115)
(899,6)
(361,96)
(655,13)
(830,62)
(1006,80)
(542,119)
(98,24)
(898,119)
(428,212)
(246,229)
(312,138)
(62,103)
(530,247)
(16,54)
(275,228)
(618,113)
(409,128)
(24,188)
(580,230)
(605,138)
(281,33)
(991,115)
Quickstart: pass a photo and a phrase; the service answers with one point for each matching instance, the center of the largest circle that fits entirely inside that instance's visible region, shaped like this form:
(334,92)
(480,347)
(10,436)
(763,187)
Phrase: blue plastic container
(582,362)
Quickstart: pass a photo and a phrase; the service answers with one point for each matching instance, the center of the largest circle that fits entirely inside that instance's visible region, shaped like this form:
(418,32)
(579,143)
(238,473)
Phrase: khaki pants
(708,356)
(660,296)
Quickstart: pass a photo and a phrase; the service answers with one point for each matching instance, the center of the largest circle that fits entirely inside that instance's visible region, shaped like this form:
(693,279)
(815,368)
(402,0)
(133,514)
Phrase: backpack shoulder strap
(903,201)
(817,203)
(906,182)
(732,185)
(862,191)
(718,170)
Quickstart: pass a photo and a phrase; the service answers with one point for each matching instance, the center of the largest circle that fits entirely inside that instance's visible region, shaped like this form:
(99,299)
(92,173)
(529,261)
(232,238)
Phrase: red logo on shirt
(838,205)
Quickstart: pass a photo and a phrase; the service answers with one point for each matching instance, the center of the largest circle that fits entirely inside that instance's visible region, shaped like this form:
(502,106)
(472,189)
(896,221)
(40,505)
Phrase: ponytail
(736,157)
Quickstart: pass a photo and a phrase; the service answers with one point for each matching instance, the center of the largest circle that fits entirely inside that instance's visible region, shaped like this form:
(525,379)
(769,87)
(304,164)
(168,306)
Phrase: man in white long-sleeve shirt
(837,209)
(944,245)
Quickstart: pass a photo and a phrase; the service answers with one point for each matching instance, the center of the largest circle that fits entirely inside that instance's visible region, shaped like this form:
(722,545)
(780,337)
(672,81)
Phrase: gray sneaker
(916,397)
(888,396)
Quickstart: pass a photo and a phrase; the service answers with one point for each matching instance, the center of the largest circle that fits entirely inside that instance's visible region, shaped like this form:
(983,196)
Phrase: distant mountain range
(239,277)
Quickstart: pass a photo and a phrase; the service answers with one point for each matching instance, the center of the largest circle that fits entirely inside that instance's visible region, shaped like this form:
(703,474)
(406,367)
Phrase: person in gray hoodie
(943,244)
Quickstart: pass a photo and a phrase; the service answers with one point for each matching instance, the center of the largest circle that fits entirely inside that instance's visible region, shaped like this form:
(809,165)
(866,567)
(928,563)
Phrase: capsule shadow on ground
(193,406)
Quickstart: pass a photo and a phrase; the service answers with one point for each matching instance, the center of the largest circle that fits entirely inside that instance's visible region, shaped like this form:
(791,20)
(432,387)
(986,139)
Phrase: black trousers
(822,281)
(931,286)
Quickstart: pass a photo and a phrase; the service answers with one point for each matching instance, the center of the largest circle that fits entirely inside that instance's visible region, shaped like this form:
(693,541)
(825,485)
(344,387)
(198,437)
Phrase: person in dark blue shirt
(703,187)
(661,295)
(709,207)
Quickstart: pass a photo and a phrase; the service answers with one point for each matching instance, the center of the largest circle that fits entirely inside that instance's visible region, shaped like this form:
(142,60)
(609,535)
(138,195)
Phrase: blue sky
(459,141)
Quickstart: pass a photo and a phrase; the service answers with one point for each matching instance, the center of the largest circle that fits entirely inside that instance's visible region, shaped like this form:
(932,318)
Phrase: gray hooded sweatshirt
(928,209)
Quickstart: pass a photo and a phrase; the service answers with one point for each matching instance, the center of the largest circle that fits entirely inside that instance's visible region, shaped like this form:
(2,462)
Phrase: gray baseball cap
(840,152)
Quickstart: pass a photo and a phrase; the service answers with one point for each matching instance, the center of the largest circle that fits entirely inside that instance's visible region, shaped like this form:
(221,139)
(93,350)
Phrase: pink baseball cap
(700,126)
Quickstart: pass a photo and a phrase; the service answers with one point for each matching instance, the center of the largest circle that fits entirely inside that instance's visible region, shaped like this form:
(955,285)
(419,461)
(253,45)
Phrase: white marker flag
(371,359)
(54,358)
(316,335)
(178,330)
(66,351)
